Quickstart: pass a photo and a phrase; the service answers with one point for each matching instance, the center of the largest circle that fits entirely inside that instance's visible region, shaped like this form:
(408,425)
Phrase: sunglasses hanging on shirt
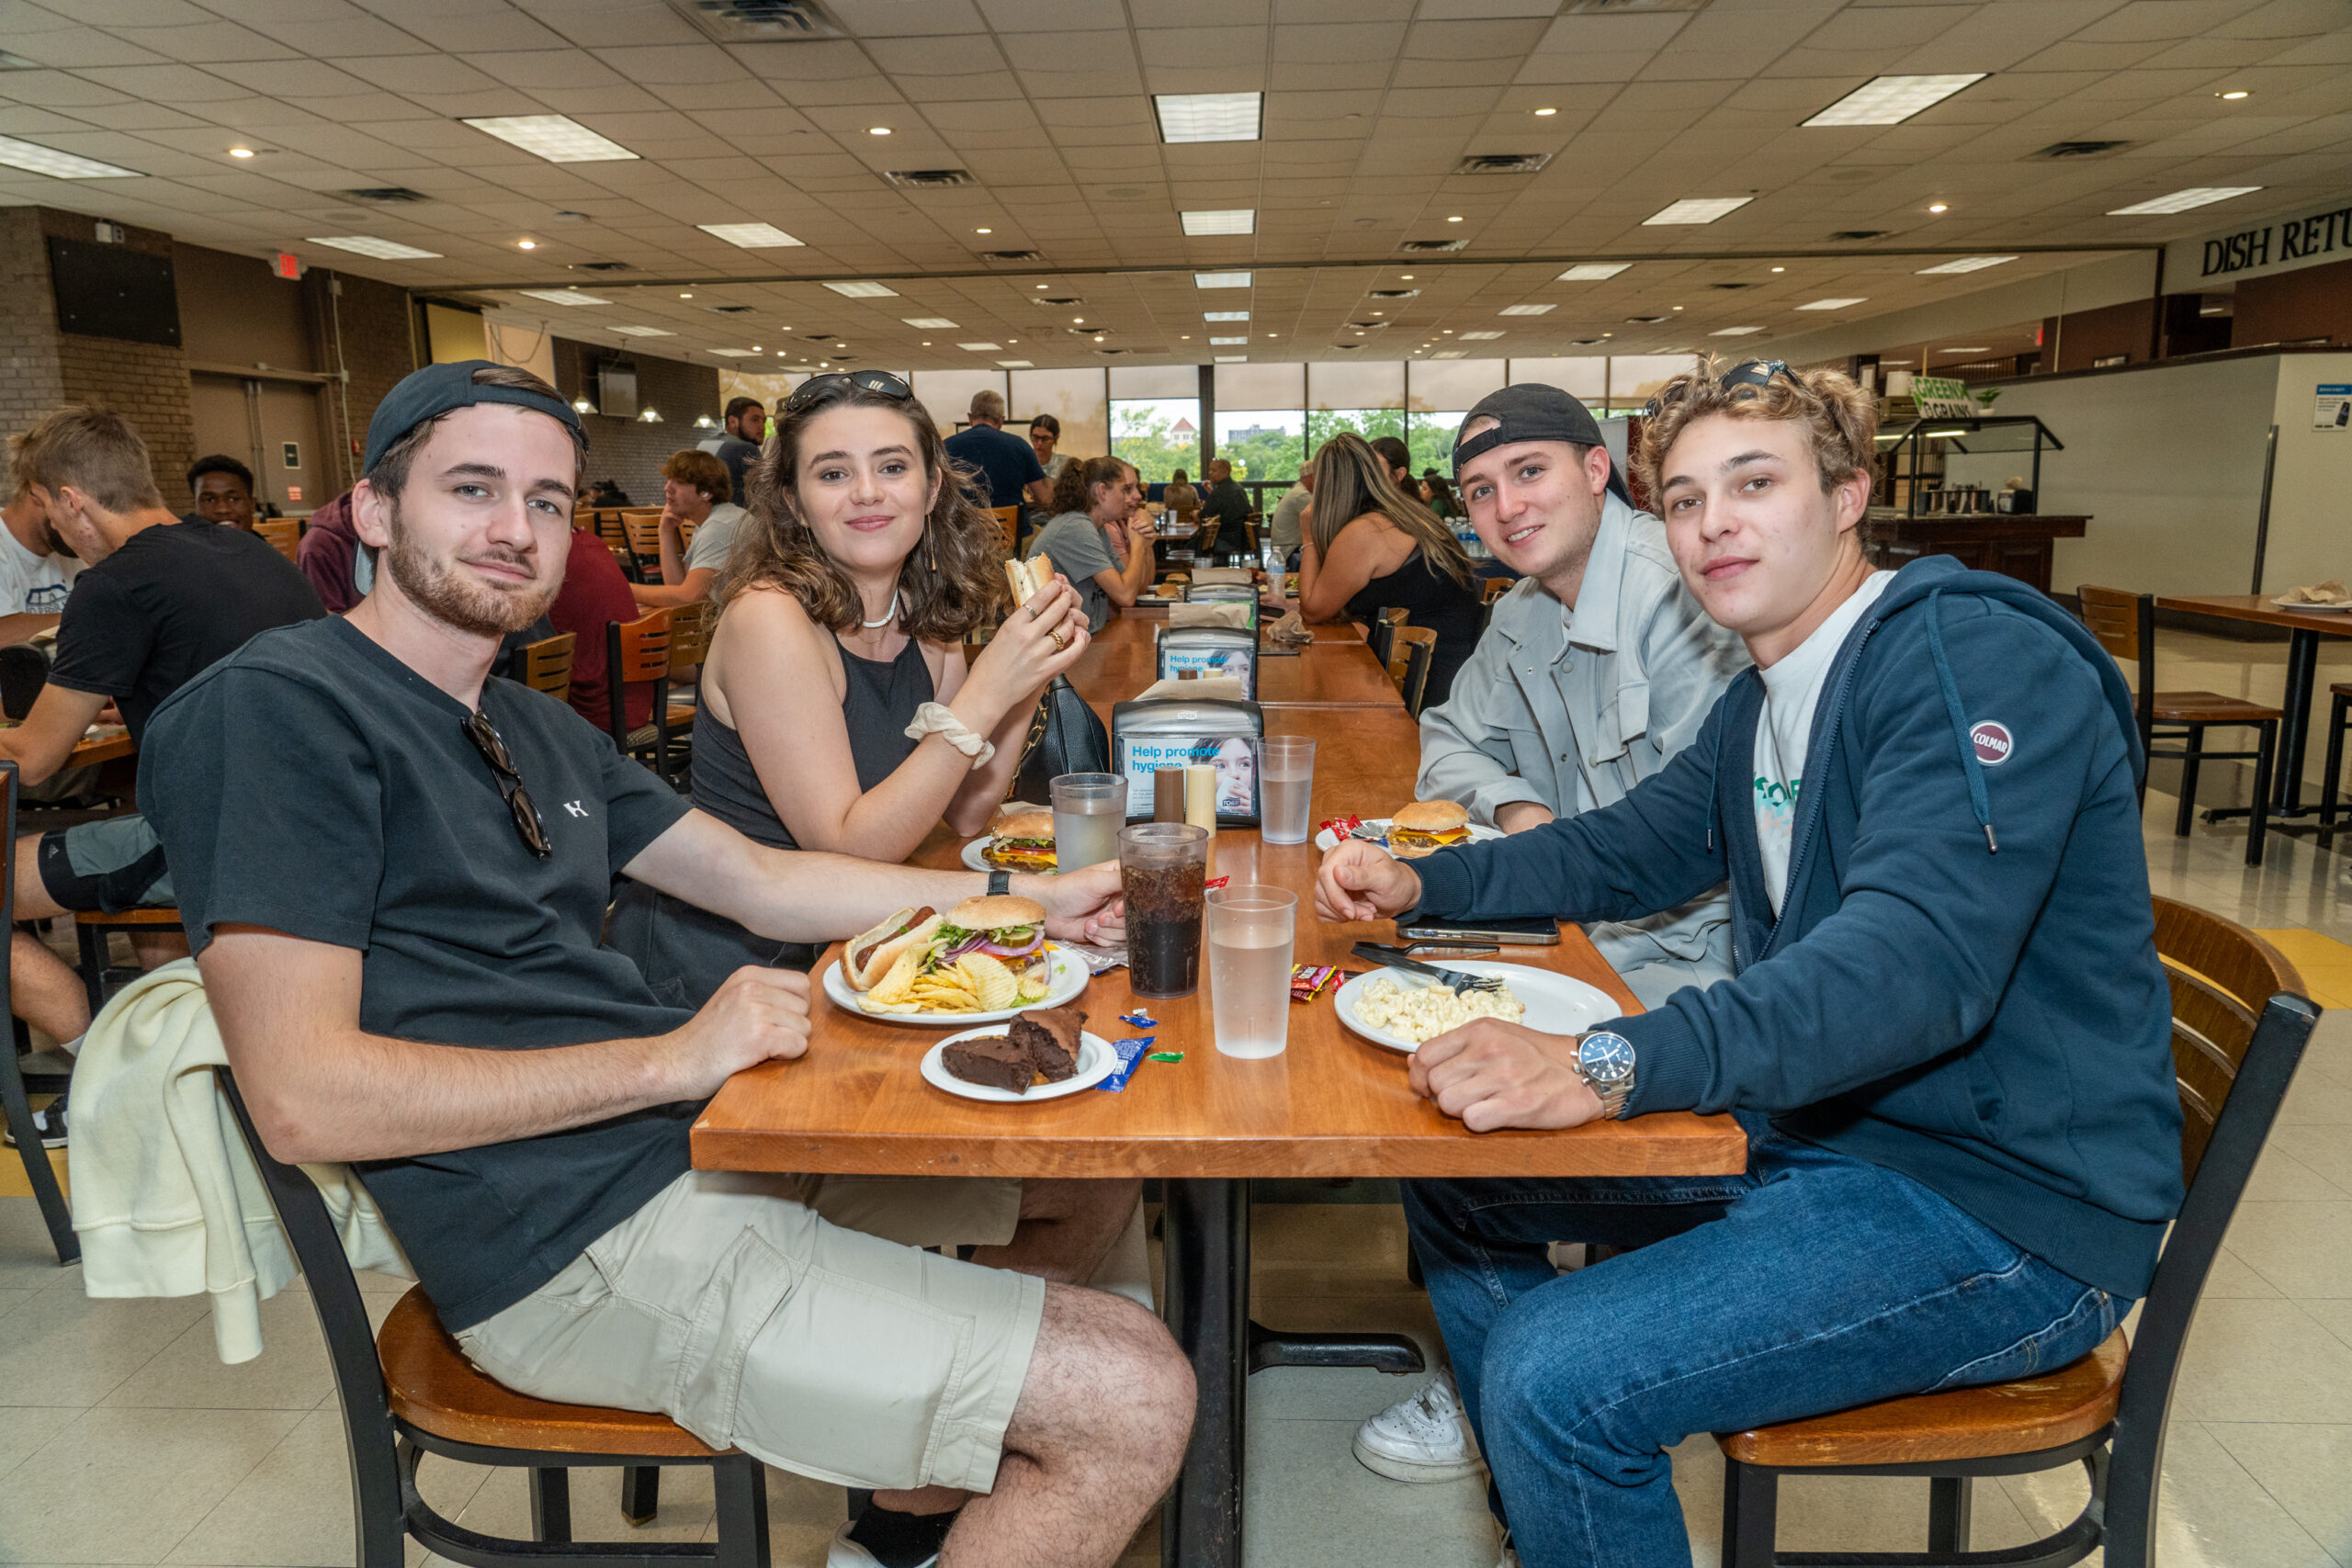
(527,826)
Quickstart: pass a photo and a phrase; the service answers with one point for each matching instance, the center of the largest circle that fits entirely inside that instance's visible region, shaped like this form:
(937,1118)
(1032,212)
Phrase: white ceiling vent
(758,21)
(930,179)
(1502,162)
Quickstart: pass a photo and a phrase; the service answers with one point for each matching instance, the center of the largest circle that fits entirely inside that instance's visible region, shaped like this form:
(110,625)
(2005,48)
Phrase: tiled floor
(123,1441)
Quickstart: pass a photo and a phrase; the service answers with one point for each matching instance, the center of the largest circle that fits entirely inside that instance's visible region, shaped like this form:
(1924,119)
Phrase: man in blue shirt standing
(1947,1033)
(1008,464)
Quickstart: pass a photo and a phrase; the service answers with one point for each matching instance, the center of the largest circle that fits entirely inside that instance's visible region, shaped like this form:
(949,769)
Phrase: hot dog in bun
(869,956)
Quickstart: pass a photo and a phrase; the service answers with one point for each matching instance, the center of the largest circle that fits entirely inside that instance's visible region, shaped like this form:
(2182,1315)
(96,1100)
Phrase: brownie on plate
(991,1061)
(1050,1036)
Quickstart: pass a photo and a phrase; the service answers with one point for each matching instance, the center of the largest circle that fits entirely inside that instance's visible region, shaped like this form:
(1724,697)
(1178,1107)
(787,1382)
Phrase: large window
(1371,424)
(1158,436)
(1431,435)
(1262,445)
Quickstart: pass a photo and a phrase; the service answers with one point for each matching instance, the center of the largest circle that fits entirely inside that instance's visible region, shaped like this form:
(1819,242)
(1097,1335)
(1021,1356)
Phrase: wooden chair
(637,653)
(409,1390)
(641,531)
(1416,650)
(607,521)
(691,628)
(2339,719)
(1008,528)
(1381,636)
(16,1084)
(2125,625)
(1495,587)
(2240,1024)
(545,665)
(101,976)
(284,534)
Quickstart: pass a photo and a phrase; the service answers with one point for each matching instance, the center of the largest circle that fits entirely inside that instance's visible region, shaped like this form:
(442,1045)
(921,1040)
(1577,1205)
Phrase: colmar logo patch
(1992,742)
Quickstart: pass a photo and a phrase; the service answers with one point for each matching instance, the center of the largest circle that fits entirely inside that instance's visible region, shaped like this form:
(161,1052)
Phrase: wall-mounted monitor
(114,291)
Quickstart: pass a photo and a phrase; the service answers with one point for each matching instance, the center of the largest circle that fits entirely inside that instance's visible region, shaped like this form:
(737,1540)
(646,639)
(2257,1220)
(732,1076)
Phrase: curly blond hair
(1841,419)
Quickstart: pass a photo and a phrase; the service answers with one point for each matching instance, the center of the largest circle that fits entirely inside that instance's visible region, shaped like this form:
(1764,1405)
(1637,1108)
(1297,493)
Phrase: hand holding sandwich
(1042,636)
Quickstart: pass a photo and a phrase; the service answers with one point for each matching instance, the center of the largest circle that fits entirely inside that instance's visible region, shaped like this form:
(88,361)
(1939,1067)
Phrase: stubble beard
(443,593)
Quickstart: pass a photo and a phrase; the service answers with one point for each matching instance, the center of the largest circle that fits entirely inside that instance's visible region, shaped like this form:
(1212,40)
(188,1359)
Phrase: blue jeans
(1812,1282)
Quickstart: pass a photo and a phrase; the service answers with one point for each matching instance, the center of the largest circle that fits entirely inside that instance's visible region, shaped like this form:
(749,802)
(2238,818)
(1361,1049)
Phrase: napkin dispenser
(1149,734)
(1210,650)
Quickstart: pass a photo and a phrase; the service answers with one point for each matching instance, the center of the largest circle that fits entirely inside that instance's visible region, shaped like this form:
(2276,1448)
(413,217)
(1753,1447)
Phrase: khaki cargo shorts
(794,1318)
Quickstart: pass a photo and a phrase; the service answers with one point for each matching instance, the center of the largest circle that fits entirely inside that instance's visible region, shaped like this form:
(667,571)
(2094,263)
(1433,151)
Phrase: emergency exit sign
(285,265)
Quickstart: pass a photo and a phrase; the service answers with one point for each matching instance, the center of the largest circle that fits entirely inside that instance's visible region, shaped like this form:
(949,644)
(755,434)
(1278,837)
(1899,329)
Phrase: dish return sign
(2258,250)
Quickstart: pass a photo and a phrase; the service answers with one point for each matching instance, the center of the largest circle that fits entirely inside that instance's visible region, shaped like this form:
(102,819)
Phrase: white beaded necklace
(891,615)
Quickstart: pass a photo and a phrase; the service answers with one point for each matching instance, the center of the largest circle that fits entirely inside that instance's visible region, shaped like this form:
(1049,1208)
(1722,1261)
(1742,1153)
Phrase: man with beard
(154,605)
(403,955)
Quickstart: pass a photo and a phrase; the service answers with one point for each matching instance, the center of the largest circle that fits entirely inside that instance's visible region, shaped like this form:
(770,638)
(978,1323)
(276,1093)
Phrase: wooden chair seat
(122,918)
(2341,689)
(2023,1416)
(434,1389)
(2208,708)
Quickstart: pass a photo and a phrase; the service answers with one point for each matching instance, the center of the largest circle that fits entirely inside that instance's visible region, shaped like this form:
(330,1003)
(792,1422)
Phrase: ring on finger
(1061,642)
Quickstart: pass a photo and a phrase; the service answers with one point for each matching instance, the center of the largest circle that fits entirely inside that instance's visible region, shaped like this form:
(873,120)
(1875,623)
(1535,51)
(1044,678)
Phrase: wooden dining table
(1336,671)
(2304,628)
(1333,1104)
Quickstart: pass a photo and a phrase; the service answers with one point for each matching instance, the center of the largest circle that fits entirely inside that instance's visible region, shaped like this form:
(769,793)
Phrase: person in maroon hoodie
(595,593)
(330,553)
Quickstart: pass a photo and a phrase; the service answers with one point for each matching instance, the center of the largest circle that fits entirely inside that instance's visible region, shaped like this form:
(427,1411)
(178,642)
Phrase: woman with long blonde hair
(1369,548)
(863,564)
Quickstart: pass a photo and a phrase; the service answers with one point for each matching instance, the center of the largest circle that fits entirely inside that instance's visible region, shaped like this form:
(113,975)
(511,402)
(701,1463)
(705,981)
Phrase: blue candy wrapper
(1138,1019)
(1130,1054)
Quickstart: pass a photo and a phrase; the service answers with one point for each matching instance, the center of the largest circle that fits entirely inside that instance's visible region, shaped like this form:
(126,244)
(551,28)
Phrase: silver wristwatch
(1605,1062)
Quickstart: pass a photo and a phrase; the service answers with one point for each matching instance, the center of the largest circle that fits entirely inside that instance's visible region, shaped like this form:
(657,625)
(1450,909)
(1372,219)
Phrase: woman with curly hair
(845,600)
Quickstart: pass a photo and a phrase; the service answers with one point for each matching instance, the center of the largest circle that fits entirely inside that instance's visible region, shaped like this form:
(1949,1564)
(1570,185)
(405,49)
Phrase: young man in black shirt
(403,955)
(156,602)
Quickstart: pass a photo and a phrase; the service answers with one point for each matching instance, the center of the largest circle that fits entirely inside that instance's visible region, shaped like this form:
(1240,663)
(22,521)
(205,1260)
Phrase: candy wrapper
(1098,960)
(1165,1056)
(1138,1019)
(1339,827)
(1130,1054)
(1214,881)
(1308,980)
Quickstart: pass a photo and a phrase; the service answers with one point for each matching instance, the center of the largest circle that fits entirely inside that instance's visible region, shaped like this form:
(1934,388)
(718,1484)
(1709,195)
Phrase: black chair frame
(2192,754)
(1380,635)
(2339,717)
(1418,658)
(2125,1459)
(15,1086)
(386,1451)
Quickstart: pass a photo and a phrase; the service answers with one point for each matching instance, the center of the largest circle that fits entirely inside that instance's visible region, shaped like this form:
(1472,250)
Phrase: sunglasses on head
(881,381)
(527,826)
(1757,373)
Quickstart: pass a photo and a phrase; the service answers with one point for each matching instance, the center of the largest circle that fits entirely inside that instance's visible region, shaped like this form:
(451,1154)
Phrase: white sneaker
(846,1553)
(1426,1437)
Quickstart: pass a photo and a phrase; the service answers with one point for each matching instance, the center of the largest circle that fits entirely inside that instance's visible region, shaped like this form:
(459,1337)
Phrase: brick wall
(630,452)
(145,382)
(31,381)
(379,347)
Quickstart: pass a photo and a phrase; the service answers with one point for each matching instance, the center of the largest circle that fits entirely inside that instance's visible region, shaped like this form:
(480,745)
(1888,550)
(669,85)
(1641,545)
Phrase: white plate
(2315,609)
(1555,1004)
(975,854)
(1479,833)
(1066,978)
(1095,1060)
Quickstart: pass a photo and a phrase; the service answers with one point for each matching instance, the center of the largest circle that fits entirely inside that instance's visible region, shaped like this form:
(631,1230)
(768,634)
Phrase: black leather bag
(1065,737)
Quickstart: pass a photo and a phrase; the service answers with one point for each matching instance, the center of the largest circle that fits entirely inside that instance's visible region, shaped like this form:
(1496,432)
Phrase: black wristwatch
(1000,883)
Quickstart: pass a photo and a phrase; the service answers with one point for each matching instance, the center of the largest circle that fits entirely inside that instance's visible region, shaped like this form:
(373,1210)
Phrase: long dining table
(2305,629)
(1333,1104)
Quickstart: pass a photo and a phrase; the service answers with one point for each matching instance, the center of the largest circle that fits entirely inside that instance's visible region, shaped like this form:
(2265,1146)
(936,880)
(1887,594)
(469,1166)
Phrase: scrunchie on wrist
(937,718)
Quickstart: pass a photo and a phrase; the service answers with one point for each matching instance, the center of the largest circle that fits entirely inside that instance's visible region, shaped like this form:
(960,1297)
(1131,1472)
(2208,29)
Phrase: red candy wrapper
(1214,881)
(1339,827)
(1308,980)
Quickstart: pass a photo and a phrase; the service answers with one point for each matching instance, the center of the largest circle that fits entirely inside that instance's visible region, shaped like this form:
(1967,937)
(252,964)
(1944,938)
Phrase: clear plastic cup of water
(1089,811)
(1286,786)
(1250,928)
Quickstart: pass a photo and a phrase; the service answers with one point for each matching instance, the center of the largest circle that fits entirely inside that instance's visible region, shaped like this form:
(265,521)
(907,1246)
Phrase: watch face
(1606,1058)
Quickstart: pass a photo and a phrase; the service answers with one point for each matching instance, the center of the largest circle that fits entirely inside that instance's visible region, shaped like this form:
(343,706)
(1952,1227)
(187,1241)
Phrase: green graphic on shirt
(1775,797)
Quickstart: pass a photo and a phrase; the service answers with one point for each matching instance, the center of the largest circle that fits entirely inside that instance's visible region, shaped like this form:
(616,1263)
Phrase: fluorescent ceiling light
(1016,363)
(979,347)
(864,290)
(644,332)
(1593,272)
(1478,337)
(1965,264)
(557,138)
(1832,304)
(1227,342)
(1224,220)
(40,160)
(1225,315)
(1696,210)
(1233,359)
(1525,310)
(750,236)
(732,353)
(1208,117)
(2182,200)
(1451,354)
(1735,332)
(1890,100)
(369,245)
(1980,348)
(929,323)
(1220,280)
(562,297)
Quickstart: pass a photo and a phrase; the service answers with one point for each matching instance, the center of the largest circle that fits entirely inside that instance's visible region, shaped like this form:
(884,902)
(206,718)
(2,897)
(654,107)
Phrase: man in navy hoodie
(1946,1034)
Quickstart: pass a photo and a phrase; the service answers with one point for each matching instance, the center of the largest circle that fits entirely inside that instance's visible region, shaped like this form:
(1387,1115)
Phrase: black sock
(901,1541)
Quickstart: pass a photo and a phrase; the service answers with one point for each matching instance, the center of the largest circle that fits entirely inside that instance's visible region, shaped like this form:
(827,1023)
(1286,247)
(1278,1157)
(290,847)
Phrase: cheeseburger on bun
(1426,827)
(1024,841)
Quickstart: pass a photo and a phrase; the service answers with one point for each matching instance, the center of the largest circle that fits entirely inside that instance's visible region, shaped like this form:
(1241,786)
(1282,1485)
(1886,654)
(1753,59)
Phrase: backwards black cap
(1531,411)
(438,388)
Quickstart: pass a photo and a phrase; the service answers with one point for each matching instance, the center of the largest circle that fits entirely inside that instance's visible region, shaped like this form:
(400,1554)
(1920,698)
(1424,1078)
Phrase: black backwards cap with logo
(1531,411)
(438,389)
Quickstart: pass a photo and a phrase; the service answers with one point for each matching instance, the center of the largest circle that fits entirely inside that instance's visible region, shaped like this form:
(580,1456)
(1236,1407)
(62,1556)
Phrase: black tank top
(1431,599)
(877,703)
